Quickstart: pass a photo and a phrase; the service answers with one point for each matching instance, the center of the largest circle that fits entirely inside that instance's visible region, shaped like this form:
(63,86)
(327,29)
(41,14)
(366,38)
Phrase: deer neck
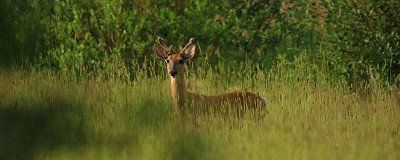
(178,91)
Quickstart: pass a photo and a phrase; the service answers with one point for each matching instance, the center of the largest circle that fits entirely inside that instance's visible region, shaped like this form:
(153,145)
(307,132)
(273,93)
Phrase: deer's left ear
(189,51)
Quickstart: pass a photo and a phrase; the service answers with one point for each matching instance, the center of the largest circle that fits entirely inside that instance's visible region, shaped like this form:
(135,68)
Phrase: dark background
(346,38)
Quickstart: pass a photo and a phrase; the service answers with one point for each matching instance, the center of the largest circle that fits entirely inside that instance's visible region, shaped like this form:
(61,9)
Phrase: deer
(237,101)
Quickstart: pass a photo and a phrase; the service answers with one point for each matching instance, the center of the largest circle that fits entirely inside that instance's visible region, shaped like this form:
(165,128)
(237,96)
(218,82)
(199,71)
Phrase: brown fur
(238,102)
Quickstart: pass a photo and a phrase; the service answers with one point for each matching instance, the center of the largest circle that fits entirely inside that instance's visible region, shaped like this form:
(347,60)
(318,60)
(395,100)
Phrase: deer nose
(173,73)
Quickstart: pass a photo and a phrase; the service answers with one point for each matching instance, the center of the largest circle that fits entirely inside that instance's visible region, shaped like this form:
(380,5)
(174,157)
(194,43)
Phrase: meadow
(79,79)
(48,115)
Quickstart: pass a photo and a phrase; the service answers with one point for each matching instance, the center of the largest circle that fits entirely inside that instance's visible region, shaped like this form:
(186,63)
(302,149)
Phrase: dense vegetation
(80,80)
(344,37)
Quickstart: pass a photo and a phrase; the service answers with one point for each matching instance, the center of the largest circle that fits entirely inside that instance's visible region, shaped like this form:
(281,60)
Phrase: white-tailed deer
(238,102)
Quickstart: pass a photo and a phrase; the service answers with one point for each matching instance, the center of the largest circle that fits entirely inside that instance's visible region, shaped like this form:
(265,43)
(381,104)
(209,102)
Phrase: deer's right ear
(161,52)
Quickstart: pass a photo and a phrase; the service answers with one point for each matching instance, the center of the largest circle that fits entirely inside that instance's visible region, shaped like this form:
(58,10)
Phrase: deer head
(175,61)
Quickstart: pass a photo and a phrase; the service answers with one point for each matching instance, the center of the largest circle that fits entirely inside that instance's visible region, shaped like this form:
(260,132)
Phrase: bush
(365,35)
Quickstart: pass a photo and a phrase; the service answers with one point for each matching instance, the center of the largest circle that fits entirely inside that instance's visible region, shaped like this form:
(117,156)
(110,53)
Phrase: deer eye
(180,61)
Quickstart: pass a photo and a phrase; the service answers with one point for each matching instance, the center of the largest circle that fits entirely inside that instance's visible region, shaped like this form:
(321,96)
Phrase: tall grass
(44,115)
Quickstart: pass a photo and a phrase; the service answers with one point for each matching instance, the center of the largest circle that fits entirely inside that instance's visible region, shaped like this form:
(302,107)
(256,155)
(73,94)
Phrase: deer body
(238,102)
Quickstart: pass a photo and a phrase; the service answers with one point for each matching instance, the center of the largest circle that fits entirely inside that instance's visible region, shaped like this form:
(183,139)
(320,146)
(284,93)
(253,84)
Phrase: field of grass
(49,116)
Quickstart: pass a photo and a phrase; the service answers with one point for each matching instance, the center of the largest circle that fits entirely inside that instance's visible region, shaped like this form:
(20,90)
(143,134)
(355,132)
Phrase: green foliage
(365,34)
(88,33)
(104,97)
(345,37)
(22,31)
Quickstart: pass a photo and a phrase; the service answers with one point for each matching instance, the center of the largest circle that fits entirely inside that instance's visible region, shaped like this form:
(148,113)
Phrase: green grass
(48,116)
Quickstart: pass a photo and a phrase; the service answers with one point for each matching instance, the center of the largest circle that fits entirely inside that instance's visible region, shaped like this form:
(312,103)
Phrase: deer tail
(266,101)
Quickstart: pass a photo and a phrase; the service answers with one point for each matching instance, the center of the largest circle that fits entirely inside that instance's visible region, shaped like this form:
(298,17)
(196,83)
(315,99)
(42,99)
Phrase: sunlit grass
(49,116)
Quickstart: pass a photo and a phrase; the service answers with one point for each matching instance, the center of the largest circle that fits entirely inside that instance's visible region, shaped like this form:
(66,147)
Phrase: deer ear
(189,51)
(161,52)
